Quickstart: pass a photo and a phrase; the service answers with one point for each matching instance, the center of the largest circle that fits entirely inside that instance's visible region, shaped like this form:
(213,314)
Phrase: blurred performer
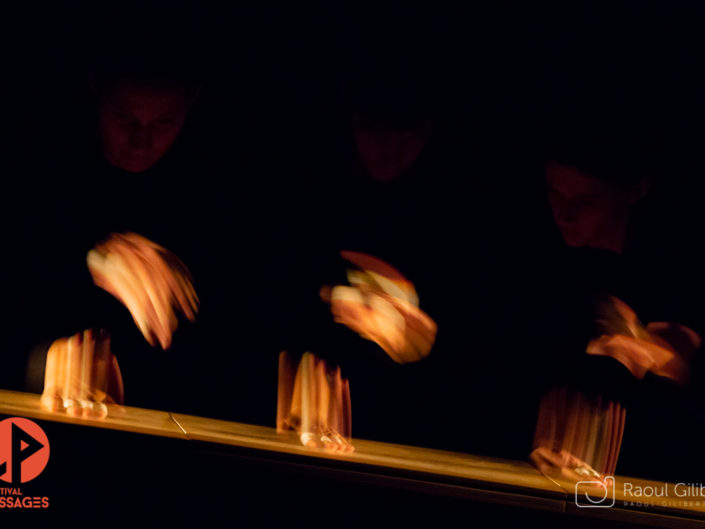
(604,274)
(373,198)
(130,169)
(134,154)
(403,189)
(598,197)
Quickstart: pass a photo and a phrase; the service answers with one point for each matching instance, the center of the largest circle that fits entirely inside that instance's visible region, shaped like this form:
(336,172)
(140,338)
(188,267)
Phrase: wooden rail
(514,484)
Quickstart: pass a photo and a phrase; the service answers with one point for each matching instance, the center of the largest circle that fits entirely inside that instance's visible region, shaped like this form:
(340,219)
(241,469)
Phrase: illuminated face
(386,153)
(138,122)
(587,210)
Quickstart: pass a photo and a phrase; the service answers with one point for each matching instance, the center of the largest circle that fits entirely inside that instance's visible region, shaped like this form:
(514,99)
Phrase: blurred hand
(315,402)
(561,463)
(578,436)
(381,305)
(682,341)
(663,348)
(149,280)
(637,355)
(82,376)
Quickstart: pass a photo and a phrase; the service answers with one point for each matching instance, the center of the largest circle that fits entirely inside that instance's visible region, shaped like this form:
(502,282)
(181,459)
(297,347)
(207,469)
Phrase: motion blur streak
(381,305)
(664,348)
(315,402)
(82,375)
(577,436)
(149,280)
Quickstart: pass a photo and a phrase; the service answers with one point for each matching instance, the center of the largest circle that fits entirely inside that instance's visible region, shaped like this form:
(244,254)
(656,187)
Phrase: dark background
(257,195)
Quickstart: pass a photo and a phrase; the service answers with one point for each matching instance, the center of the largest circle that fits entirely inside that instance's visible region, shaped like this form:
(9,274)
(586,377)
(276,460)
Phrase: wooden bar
(482,480)
(522,484)
(125,418)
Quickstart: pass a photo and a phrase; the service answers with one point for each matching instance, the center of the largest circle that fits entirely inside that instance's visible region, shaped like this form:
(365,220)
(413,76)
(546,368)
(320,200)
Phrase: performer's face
(386,153)
(138,122)
(585,208)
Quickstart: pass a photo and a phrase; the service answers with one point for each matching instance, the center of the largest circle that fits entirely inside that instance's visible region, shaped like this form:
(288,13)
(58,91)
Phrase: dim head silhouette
(591,195)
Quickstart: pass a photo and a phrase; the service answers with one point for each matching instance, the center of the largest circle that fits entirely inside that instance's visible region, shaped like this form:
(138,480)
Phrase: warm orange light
(663,348)
(149,280)
(82,375)
(314,401)
(381,305)
(578,437)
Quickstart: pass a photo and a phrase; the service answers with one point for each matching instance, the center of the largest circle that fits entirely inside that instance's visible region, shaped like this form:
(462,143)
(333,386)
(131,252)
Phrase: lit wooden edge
(123,418)
(427,461)
(517,475)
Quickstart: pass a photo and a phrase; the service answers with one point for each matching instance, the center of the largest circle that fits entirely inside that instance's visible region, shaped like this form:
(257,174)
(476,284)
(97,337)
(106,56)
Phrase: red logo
(24,450)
